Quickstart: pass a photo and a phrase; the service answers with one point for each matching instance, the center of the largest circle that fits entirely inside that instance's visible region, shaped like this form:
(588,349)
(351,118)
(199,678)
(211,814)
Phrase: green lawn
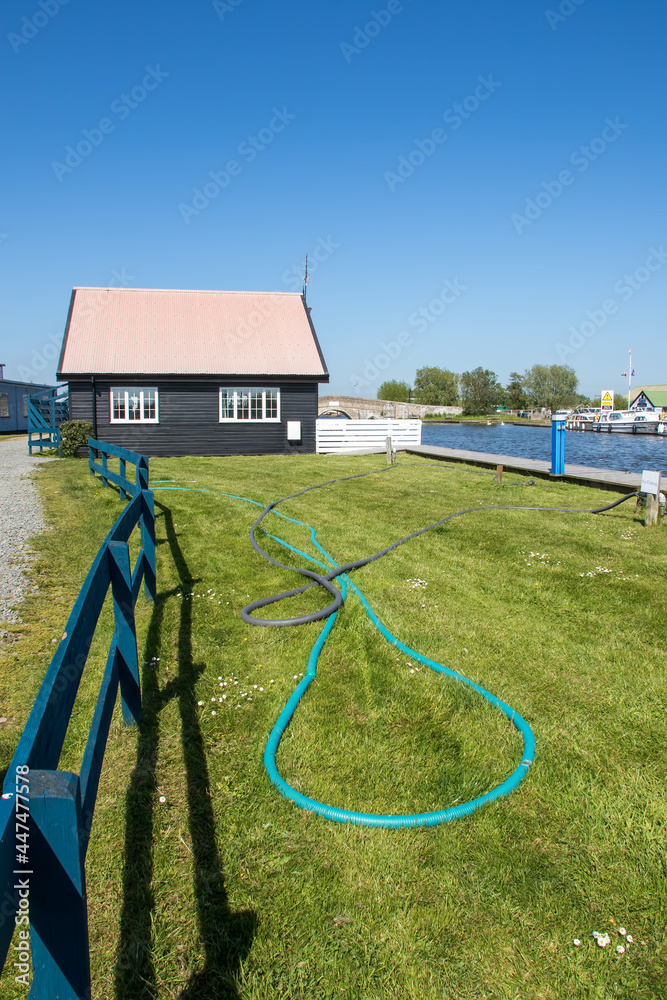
(228,890)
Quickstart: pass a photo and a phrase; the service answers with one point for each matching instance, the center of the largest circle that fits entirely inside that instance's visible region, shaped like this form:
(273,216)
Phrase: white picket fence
(362,435)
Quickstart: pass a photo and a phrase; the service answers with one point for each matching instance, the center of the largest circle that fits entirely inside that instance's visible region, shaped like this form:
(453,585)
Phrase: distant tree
(436,387)
(481,391)
(551,386)
(396,392)
(515,396)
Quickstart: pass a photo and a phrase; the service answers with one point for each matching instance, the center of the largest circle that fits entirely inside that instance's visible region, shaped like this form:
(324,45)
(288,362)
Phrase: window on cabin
(25,406)
(134,405)
(249,404)
(4,404)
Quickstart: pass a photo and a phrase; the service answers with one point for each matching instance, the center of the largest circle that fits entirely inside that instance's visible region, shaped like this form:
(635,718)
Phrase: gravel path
(20,518)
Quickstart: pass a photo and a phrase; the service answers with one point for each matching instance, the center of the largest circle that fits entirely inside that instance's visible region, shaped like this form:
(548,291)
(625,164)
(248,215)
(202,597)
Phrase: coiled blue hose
(334,813)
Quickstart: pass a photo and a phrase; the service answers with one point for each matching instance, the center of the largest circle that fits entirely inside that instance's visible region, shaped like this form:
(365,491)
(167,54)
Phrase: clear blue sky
(182,87)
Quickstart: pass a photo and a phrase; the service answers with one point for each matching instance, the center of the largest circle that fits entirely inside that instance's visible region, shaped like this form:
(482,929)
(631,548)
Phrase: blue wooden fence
(46,814)
(104,451)
(46,412)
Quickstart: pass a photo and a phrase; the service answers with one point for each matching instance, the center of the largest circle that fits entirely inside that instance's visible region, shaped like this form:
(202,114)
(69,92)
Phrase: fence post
(123,472)
(56,875)
(105,481)
(9,897)
(148,542)
(91,458)
(125,631)
(142,473)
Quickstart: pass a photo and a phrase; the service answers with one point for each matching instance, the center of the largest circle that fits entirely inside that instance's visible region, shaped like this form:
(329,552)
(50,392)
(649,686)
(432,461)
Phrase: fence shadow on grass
(226,937)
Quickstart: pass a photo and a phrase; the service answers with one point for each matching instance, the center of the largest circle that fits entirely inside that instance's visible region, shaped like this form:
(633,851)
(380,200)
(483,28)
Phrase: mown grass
(226,889)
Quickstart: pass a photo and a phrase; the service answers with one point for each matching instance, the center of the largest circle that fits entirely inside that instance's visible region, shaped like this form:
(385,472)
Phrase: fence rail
(125,485)
(360,435)
(46,814)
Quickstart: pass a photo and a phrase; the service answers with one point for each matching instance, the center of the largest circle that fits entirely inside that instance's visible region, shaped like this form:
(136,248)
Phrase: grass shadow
(226,937)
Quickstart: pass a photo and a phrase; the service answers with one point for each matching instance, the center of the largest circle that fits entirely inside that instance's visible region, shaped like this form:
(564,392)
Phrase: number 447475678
(22,813)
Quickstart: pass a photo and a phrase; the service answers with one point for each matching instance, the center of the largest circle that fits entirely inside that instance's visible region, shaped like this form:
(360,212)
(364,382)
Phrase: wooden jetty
(584,475)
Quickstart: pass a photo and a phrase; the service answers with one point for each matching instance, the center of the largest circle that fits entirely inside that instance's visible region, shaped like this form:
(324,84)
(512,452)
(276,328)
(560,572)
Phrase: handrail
(47,430)
(46,814)
(125,485)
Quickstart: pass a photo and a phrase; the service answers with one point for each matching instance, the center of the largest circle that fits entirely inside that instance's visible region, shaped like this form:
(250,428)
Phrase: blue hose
(382,819)
(345,815)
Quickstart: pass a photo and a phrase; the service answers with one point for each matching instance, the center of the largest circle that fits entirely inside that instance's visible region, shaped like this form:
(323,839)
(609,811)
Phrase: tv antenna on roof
(306,279)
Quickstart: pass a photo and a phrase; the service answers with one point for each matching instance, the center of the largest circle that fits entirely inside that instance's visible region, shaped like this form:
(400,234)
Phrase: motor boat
(581,418)
(628,422)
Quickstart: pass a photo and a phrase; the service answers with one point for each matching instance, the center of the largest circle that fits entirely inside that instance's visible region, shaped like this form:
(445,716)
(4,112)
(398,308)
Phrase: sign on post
(607,399)
(650,482)
(651,487)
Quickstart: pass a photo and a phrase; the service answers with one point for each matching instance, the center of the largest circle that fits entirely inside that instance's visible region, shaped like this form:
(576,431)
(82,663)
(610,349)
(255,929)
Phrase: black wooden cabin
(193,373)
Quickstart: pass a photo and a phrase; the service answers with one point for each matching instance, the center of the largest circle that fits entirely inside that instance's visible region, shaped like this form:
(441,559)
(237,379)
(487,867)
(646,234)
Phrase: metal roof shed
(185,372)
(14,404)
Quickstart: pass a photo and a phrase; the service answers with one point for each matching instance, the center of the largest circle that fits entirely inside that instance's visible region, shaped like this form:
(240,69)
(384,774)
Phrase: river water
(627,452)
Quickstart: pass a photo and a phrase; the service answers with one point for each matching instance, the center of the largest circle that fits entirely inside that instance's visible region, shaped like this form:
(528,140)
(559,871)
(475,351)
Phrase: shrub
(74,435)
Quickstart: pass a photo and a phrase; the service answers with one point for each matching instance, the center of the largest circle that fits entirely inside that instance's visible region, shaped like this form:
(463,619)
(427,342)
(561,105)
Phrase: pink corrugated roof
(144,331)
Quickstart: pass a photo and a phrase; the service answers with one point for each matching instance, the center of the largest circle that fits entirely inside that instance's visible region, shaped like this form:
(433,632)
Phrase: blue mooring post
(557,447)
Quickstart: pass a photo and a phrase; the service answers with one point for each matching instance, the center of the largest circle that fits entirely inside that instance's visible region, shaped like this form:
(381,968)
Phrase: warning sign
(607,397)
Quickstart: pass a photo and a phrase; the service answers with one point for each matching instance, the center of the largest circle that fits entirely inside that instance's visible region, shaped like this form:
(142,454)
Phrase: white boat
(580,421)
(583,415)
(628,422)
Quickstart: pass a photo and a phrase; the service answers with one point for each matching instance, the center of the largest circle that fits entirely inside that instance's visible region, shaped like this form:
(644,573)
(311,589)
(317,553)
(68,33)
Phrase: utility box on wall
(293,430)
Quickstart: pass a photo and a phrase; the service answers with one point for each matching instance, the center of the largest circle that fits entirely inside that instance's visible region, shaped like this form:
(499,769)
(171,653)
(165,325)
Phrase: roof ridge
(171,291)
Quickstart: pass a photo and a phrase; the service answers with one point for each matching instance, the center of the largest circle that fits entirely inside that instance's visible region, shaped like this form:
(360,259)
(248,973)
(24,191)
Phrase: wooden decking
(606,479)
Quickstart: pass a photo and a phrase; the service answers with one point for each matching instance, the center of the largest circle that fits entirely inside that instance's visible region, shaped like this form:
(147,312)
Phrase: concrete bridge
(357,408)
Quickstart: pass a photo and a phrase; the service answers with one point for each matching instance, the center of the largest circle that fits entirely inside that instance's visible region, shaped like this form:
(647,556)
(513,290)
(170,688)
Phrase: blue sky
(523,226)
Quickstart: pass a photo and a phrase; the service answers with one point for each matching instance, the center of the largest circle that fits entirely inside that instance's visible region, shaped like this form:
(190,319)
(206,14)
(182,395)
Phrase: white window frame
(238,391)
(134,390)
